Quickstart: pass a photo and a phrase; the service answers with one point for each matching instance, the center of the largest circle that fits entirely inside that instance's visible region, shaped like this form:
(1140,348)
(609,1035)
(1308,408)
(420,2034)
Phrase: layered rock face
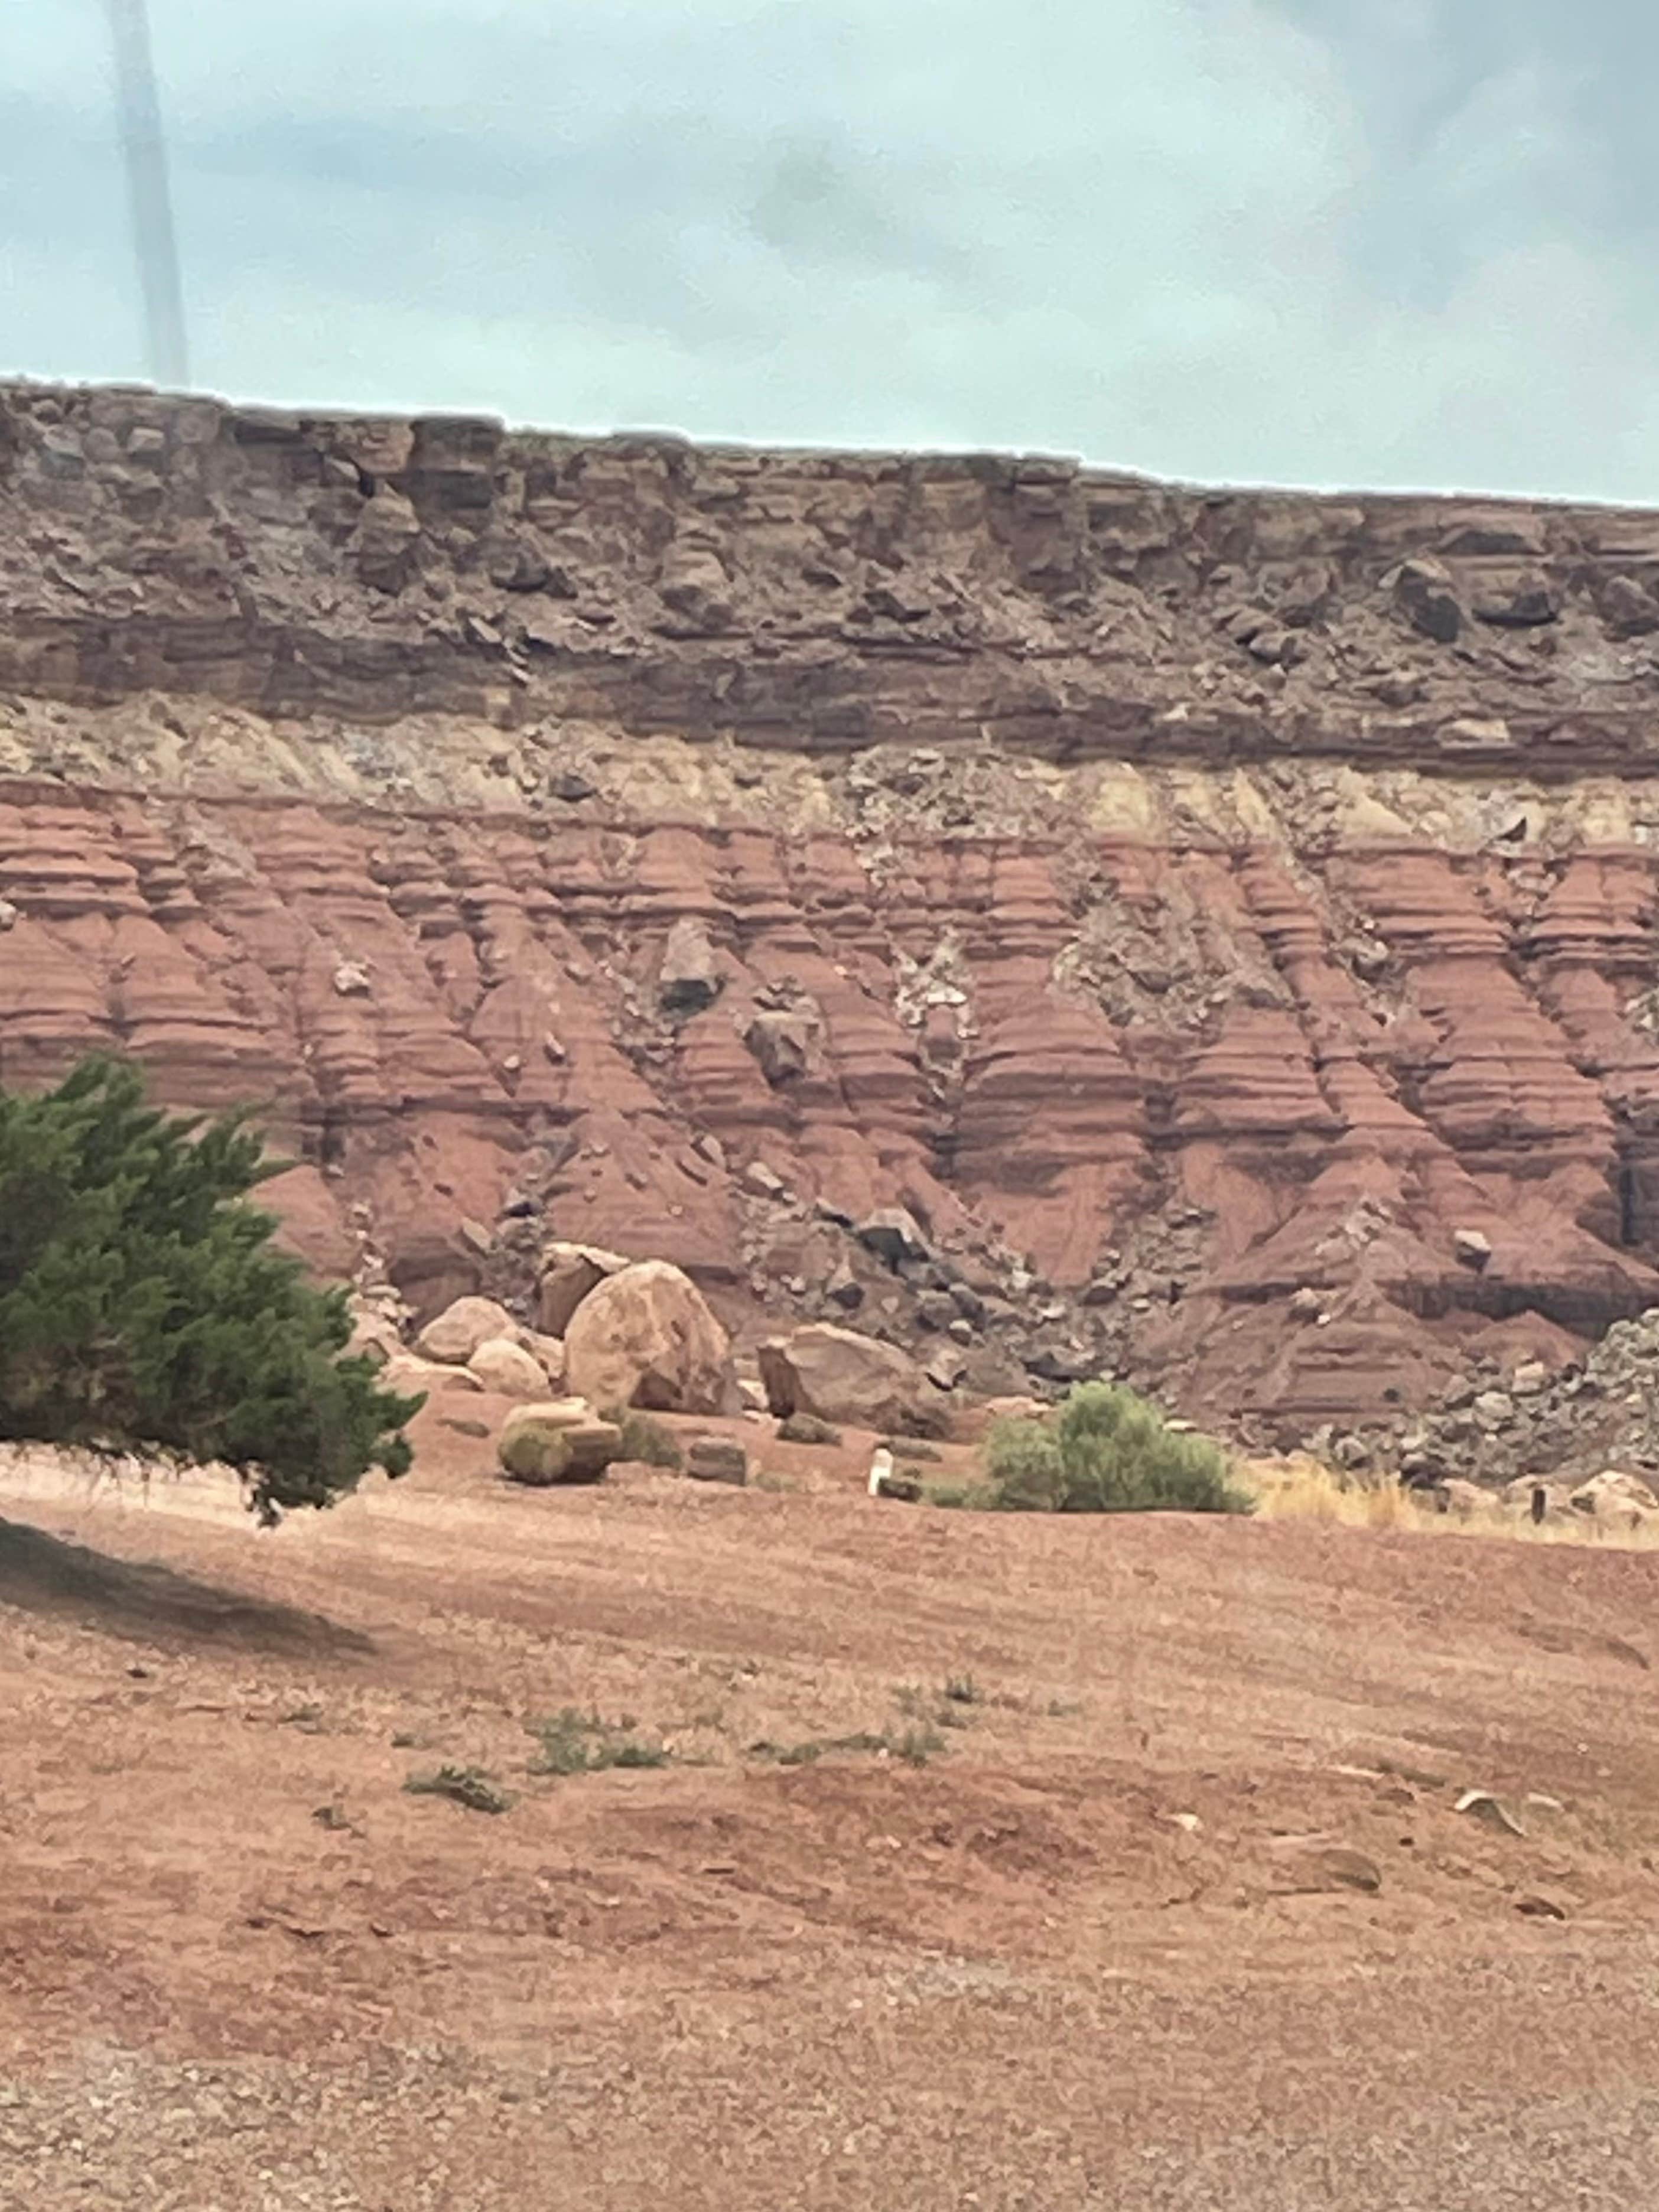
(1194,908)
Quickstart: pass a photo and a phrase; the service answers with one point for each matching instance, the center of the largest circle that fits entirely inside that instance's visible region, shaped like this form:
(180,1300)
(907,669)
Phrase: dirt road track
(1076,1958)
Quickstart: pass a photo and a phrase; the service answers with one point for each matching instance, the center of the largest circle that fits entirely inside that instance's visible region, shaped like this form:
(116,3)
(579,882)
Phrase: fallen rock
(1519,1495)
(1472,1248)
(646,1337)
(569,1273)
(406,1374)
(844,1288)
(807,1429)
(841,1376)
(1306,1305)
(894,1234)
(1493,1408)
(351,980)
(460,1328)
(1616,1500)
(906,1488)
(547,1352)
(556,1440)
(691,977)
(507,1369)
(783,1042)
(945,1368)
(714,1459)
(374,1336)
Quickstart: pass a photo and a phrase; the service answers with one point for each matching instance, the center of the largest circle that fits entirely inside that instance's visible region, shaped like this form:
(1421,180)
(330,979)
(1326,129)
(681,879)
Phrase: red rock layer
(429,1004)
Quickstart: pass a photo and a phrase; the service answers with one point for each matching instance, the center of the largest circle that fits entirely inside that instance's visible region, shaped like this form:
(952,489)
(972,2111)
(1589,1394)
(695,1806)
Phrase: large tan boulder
(459,1329)
(646,1337)
(375,1336)
(547,1352)
(569,1273)
(843,1377)
(556,1440)
(406,1374)
(1616,1500)
(507,1369)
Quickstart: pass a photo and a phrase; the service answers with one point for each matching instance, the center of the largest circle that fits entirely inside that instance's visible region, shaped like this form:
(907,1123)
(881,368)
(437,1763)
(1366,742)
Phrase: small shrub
(916,1745)
(1107,1451)
(779,1485)
(960,1497)
(462,1785)
(581,1744)
(807,1429)
(646,1441)
(963,1690)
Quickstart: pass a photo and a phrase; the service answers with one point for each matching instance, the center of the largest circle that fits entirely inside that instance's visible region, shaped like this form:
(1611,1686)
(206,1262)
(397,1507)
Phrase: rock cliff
(1194,908)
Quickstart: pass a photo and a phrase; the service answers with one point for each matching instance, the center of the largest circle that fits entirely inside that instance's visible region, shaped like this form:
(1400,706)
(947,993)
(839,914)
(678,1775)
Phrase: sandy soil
(1092,1950)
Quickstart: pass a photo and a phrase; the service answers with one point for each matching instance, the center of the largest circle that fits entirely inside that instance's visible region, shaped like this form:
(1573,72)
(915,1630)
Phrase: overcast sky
(1336,242)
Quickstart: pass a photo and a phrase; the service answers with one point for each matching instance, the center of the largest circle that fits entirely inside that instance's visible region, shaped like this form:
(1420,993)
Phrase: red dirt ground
(1071,1960)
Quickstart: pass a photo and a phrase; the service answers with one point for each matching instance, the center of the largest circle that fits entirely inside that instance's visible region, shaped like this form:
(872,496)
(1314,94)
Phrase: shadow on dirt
(43,1574)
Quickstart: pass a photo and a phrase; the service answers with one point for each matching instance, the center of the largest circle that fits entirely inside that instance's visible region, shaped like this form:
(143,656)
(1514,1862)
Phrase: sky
(1338,243)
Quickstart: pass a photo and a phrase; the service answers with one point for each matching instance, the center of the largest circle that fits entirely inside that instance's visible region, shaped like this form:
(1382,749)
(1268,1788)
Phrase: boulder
(944,1370)
(646,1337)
(547,1352)
(1472,1247)
(460,1328)
(691,977)
(569,1273)
(714,1459)
(807,1429)
(406,1374)
(374,1336)
(507,1369)
(556,1440)
(843,1377)
(783,1041)
(1517,1495)
(1425,595)
(1616,1500)
(893,1234)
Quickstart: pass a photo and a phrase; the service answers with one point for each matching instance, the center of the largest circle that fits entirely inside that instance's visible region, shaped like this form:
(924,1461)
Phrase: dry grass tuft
(1300,1488)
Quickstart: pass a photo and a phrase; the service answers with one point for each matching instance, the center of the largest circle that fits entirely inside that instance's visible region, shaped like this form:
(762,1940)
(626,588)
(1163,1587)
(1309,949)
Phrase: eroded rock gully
(1193,908)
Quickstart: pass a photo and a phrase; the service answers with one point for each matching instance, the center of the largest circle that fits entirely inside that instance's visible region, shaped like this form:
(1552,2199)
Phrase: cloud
(1319,242)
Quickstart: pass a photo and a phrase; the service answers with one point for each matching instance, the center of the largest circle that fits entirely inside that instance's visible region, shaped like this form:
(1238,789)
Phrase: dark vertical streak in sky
(144,148)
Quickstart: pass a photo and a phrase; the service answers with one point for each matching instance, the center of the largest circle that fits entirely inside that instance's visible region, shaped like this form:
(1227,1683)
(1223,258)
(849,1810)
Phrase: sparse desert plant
(575,1742)
(960,1497)
(469,1786)
(916,1745)
(1107,1451)
(646,1441)
(144,1310)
